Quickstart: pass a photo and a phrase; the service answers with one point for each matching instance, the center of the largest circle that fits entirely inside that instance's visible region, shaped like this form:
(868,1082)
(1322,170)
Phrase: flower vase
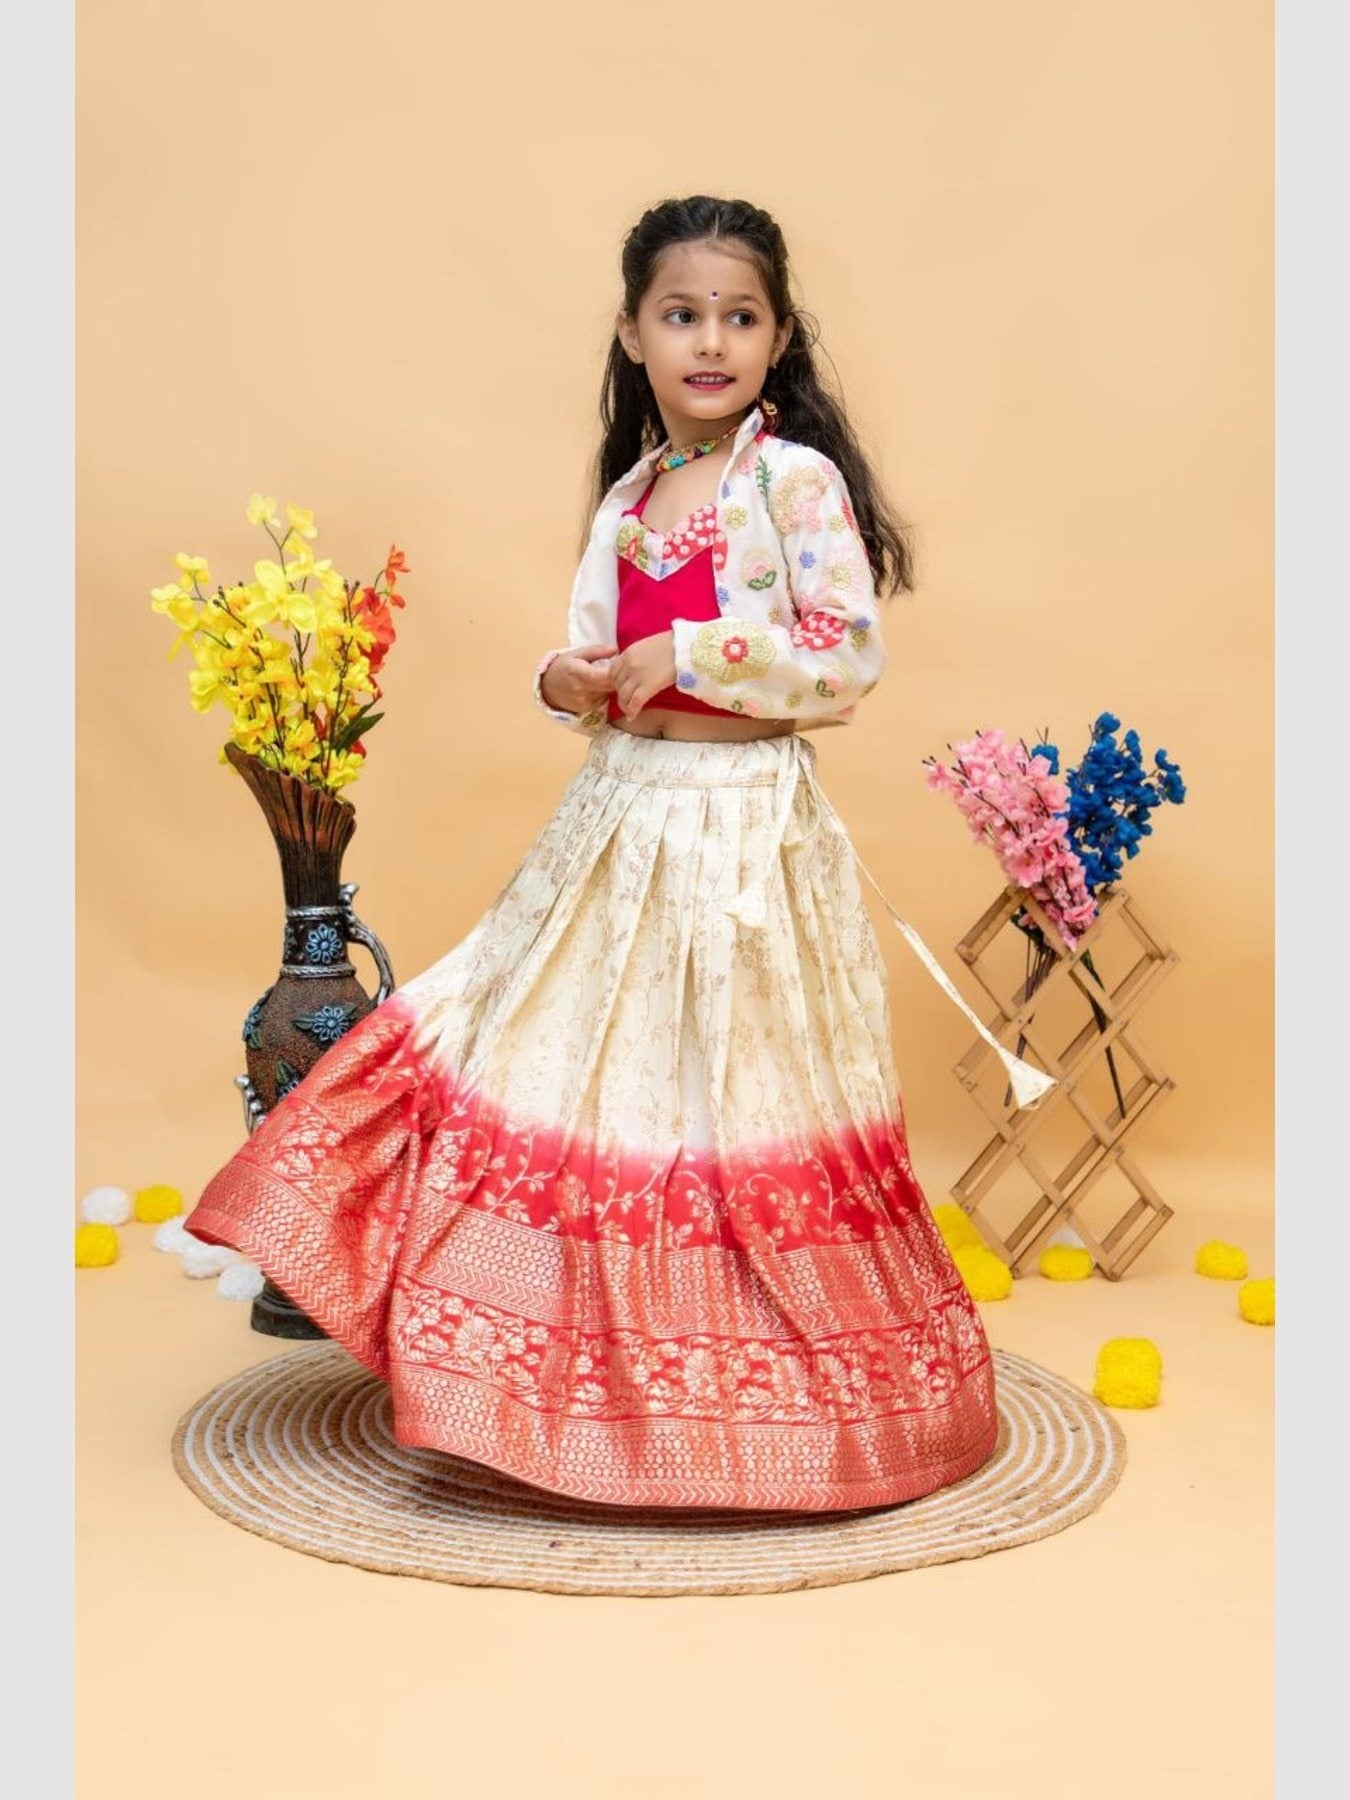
(316,998)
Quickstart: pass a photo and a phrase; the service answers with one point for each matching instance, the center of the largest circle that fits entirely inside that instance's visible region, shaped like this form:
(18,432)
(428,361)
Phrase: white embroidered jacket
(798,632)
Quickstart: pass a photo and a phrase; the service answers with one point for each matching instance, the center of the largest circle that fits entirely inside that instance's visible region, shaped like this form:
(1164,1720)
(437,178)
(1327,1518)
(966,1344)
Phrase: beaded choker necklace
(686,453)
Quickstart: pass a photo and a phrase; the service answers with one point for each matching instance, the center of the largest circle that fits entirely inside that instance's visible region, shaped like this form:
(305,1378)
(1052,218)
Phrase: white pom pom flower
(203,1260)
(173,1236)
(106,1206)
(241,1281)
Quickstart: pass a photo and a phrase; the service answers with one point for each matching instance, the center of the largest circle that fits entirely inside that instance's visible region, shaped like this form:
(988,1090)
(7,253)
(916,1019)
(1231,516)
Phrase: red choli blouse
(686,588)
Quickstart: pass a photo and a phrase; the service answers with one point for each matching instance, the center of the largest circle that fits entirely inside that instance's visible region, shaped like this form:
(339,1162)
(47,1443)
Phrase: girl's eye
(741,313)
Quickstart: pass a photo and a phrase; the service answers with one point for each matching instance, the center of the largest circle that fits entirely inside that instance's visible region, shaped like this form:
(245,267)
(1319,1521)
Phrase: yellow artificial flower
(204,686)
(1220,1260)
(986,1275)
(1128,1372)
(1065,1262)
(261,508)
(260,606)
(301,520)
(96,1246)
(301,610)
(1256,1300)
(194,567)
(271,577)
(152,1205)
(955,1225)
(161,597)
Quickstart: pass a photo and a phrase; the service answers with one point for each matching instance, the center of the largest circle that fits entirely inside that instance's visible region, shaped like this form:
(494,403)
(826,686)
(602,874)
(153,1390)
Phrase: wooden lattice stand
(1023,1023)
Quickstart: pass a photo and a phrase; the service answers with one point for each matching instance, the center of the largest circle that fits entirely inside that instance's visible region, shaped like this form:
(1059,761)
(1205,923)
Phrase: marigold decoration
(292,655)
(1065,1262)
(152,1205)
(1256,1301)
(1129,1372)
(987,1276)
(956,1226)
(1220,1261)
(96,1246)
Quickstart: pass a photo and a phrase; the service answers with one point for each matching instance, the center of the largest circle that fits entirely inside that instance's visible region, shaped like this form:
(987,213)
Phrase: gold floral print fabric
(616,1195)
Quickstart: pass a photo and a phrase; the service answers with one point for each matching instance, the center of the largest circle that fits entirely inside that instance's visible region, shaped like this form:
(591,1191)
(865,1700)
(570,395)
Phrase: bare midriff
(657,721)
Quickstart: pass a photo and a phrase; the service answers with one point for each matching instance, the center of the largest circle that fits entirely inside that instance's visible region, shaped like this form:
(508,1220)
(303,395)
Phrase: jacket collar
(643,467)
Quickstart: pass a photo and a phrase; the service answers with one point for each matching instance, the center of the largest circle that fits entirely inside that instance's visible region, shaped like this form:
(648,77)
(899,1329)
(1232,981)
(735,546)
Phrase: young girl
(616,1196)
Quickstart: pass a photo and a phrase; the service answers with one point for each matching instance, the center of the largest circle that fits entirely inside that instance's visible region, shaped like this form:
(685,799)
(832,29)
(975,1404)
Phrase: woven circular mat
(299,1449)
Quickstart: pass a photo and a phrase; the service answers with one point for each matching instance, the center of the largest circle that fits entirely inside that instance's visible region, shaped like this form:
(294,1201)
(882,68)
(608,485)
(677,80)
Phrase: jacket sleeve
(588,722)
(832,654)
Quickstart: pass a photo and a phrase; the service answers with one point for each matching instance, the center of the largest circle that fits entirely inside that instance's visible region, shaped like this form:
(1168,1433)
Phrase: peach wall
(365,258)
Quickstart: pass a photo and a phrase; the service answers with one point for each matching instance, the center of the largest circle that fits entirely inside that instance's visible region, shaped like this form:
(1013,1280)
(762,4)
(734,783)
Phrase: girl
(617,1196)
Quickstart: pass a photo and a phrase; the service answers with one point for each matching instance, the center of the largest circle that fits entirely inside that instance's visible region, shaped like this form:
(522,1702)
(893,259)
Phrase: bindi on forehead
(712,296)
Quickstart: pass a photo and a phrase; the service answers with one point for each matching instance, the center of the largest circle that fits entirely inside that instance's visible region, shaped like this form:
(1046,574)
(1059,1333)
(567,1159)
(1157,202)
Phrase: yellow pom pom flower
(1065,1262)
(955,1225)
(95,1246)
(1256,1301)
(1220,1261)
(1129,1372)
(152,1205)
(987,1276)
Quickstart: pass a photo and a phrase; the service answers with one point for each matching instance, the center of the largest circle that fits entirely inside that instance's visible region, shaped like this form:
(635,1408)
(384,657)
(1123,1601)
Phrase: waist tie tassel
(750,906)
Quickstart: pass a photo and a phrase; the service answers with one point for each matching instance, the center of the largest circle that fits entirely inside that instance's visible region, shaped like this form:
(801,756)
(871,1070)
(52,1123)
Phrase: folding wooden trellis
(1061,1194)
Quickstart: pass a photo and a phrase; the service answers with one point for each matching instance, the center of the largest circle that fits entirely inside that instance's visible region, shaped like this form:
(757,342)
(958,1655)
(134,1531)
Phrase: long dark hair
(807,412)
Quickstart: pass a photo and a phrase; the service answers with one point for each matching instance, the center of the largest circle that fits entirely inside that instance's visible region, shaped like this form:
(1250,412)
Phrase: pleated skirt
(616,1195)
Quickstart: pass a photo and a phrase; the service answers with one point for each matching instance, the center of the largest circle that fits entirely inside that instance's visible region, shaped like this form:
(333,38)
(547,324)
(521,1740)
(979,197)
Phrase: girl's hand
(642,670)
(579,679)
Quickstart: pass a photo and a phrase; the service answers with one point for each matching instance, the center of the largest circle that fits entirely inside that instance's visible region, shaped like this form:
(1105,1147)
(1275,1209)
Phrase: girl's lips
(717,381)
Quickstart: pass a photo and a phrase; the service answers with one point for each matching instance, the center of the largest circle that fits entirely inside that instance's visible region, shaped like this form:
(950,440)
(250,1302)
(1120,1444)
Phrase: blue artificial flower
(1112,798)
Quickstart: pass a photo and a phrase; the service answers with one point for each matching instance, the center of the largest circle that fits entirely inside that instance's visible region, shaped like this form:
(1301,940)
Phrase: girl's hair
(807,412)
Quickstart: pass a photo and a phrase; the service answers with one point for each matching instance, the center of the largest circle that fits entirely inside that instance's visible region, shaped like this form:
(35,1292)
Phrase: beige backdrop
(365,258)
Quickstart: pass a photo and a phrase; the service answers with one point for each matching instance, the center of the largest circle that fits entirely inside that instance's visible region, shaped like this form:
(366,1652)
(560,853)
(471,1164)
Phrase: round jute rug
(299,1449)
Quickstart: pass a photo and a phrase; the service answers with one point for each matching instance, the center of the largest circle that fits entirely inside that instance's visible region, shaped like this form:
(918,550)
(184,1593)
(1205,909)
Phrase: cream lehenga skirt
(616,1196)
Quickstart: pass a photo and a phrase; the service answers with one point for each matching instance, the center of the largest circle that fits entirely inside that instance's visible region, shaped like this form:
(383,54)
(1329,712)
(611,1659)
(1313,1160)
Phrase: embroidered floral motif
(631,542)
(757,570)
(785,546)
(819,630)
(796,499)
(729,650)
(656,553)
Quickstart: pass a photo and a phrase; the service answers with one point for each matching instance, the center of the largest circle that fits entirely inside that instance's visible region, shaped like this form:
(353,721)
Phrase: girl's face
(705,312)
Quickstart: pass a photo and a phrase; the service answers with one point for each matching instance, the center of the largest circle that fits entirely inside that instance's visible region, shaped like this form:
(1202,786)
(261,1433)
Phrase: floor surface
(1130,1653)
